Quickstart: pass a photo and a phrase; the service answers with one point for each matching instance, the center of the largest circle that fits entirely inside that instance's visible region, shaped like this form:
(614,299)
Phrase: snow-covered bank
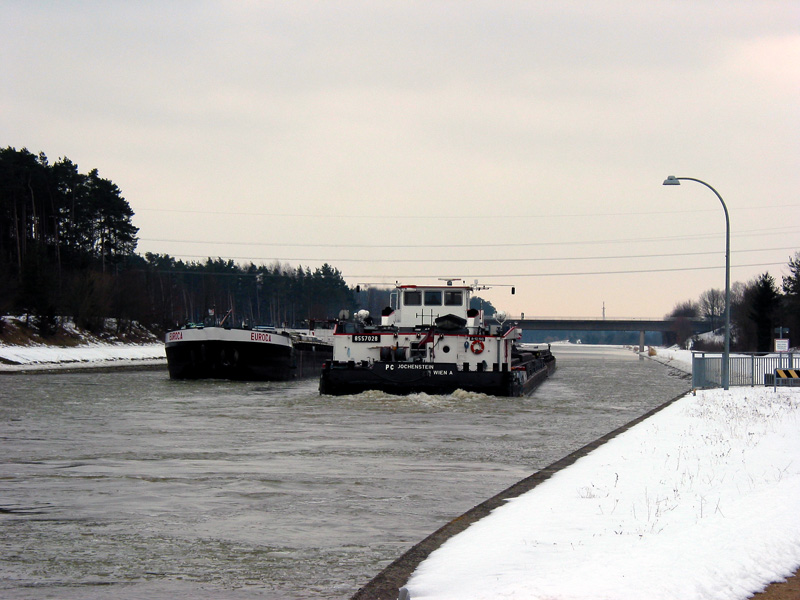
(700,501)
(82,350)
(36,358)
(673,357)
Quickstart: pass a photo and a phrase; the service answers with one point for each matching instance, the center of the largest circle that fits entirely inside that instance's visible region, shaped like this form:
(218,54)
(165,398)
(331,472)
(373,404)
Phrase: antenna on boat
(476,286)
(513,288)
(449,280)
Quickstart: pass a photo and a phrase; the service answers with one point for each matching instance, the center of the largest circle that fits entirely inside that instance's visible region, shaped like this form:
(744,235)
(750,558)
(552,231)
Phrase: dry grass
(785,590)
(14,332)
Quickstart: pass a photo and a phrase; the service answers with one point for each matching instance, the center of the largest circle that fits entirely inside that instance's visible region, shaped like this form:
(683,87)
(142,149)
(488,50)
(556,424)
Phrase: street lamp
(726,354)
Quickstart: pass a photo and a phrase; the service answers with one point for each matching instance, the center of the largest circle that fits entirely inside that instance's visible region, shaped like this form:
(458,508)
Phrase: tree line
(67,248)
(760,311)
(180,292)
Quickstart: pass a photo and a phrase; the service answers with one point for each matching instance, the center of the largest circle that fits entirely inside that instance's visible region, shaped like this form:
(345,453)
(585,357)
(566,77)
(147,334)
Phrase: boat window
(412,298)
(453,298)
(433,297)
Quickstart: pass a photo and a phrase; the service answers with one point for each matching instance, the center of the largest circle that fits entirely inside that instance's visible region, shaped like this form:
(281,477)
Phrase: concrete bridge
(667,327)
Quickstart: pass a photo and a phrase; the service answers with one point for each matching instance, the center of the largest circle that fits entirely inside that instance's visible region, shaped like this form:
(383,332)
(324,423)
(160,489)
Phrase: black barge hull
(340,378)
(245,361)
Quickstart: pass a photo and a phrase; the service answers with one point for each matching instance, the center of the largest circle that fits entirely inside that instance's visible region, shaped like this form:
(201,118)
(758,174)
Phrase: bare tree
(712,306)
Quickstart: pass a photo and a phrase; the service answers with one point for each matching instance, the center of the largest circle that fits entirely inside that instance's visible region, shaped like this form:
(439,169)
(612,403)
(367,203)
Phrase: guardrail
(746,368)
(788,377)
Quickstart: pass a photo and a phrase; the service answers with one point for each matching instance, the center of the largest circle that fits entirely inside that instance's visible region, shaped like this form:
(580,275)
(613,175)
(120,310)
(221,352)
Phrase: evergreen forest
(68,248)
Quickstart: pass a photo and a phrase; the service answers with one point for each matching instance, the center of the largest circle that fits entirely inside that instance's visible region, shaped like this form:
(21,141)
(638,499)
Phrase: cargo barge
(218,351)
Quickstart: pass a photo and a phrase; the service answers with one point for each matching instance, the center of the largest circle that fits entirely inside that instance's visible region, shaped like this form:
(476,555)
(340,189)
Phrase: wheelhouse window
(412,298)
(433,297)
(453,298)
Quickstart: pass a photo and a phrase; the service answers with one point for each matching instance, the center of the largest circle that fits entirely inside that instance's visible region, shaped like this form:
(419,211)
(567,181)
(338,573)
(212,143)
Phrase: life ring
(476,347)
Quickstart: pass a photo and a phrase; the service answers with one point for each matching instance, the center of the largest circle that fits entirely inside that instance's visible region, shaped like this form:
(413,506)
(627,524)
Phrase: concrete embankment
(386,585)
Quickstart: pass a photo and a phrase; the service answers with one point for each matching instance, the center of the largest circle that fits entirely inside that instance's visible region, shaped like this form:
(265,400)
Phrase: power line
(482,276)
(569,274)
(481,217)
(491,260)
(753,232)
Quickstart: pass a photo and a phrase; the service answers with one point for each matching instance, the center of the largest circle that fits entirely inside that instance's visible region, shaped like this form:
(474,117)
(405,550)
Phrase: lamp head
(671,180)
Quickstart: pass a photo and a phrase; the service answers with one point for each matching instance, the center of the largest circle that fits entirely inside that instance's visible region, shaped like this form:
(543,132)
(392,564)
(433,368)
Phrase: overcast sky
(519,143)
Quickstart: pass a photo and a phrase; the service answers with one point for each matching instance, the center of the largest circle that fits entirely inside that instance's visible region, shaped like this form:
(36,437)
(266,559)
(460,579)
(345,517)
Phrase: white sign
(781,345)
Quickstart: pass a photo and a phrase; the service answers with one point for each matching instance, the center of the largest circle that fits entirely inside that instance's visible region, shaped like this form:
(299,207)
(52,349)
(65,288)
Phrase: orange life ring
(476,347)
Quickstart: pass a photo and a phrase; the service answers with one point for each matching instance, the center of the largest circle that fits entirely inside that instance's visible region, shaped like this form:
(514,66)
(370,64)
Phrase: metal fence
(745,368)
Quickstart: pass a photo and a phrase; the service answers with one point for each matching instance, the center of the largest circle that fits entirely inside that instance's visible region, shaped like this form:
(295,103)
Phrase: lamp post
(726,354)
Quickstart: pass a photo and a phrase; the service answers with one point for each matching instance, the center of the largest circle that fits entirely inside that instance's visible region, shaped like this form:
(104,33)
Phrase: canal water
(130,485)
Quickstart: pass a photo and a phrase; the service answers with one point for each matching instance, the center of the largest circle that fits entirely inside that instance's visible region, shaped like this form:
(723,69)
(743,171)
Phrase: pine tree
(765,301)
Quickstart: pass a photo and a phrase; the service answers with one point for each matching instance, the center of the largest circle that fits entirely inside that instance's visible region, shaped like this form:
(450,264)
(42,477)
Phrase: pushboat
(430,340)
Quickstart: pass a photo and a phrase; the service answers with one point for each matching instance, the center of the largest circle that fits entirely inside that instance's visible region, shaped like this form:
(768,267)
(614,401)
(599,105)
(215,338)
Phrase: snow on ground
(700,501)
(674,357)
(92,352)
(28,358)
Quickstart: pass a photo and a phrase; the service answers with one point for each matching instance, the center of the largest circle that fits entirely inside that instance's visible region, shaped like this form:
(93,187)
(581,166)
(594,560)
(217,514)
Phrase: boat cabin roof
(434,295)
(441,286)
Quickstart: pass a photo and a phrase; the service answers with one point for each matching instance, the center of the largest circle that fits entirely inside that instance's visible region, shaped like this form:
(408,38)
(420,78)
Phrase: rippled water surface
(129,485)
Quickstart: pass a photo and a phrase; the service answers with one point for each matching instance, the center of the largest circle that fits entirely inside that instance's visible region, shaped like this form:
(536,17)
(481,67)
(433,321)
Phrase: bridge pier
(641,341)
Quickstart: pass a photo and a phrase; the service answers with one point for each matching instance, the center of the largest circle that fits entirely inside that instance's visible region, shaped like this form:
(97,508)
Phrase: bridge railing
(746,369)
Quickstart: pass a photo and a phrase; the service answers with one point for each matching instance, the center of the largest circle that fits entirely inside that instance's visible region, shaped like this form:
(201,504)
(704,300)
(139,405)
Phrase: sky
(697,502)
(515,143)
